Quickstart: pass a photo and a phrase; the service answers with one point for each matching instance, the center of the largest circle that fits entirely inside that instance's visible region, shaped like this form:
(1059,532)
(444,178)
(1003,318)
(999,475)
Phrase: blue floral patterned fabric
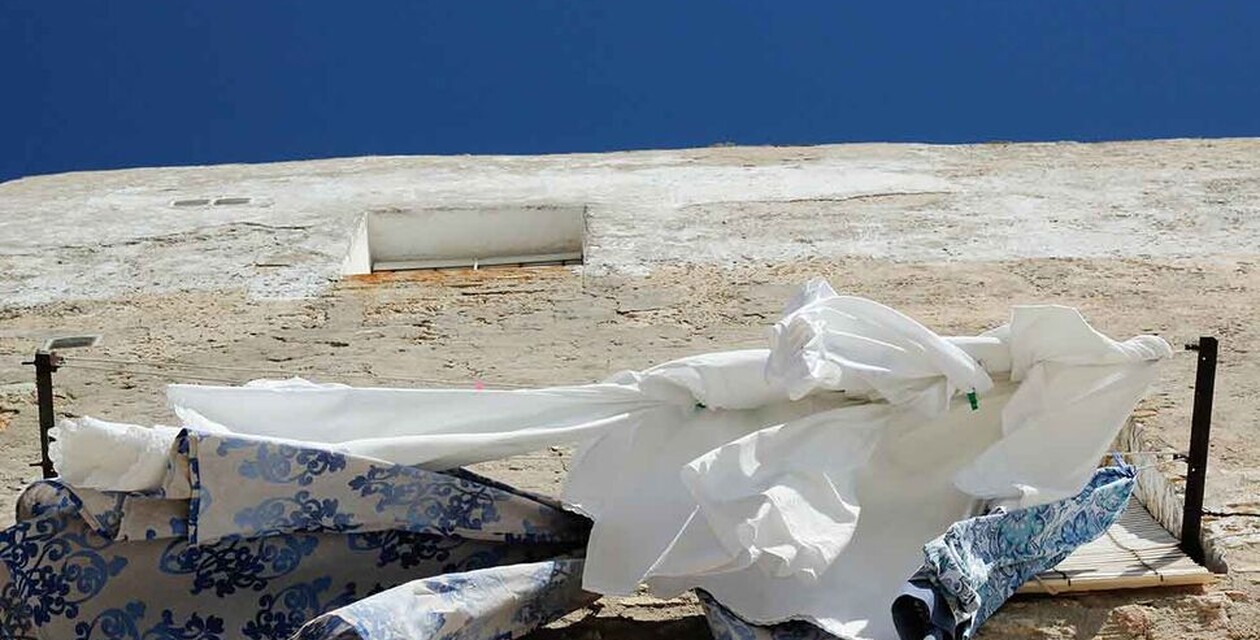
(973,567)
(503,602)
(257,539)
(298,489)
(978,563)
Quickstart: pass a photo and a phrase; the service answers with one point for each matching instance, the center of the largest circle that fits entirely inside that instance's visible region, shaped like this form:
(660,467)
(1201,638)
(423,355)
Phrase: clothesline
(119,363)
(169,363)
(158,374)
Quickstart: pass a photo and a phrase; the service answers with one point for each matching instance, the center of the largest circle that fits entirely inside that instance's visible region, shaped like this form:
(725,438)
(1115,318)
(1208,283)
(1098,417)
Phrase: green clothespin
(974,400)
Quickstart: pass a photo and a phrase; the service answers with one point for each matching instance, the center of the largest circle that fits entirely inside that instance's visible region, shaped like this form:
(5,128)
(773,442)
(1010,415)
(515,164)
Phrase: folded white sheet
(96,454)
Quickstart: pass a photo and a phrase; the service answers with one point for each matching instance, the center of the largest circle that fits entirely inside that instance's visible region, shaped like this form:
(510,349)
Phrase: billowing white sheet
(795,482)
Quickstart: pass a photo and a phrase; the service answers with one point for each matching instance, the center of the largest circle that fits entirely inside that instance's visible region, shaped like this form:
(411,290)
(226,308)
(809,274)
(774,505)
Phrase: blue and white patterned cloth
(255,539)
(978,563)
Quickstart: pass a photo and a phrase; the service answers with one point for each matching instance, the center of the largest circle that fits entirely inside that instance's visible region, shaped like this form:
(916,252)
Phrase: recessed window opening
(475,237)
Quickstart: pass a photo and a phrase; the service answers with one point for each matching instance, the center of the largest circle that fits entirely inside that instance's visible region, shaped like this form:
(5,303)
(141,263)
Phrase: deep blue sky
(97,84)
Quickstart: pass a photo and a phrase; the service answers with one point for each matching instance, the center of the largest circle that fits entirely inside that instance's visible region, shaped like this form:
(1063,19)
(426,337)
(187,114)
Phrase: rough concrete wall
(97,235)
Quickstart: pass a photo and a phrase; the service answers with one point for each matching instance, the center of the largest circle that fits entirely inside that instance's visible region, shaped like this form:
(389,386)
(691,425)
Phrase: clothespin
(974,400)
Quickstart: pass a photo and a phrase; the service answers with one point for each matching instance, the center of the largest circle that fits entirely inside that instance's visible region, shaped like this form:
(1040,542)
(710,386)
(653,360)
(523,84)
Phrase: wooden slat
(1136,552)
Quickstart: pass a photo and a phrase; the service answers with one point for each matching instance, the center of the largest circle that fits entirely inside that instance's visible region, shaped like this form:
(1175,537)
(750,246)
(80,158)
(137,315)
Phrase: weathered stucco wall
(107,233)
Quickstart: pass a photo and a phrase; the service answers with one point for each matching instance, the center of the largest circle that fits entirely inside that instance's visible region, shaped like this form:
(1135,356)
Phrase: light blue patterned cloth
(974,566)
(502,602)
(255,539)
(978,563)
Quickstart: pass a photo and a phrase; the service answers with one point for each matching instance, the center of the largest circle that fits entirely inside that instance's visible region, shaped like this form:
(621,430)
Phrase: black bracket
(1196,461)
(46,363)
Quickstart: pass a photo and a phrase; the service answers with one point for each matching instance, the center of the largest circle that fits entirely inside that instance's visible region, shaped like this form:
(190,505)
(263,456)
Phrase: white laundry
(795,482)
(94,453)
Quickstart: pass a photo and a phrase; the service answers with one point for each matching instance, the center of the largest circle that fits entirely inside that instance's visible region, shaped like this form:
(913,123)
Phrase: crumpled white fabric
(771,483)
(1071,379)
(96,454)
(830,342)
(821,515)
(795,482)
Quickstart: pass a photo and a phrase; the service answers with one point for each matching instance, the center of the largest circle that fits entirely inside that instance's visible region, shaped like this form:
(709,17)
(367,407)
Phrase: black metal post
(45,364)
(1200,431)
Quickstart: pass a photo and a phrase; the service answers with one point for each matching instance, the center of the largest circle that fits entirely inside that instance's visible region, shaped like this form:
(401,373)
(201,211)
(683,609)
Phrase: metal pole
(45,365)
(1200,430)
